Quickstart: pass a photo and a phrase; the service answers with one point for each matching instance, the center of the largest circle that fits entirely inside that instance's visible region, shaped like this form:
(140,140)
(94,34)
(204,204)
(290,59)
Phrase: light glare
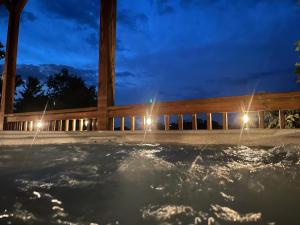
(148,121)
(39,124)
(245,118)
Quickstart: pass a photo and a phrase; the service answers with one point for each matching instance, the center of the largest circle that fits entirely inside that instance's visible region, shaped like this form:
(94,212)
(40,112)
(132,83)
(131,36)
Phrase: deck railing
(84,119)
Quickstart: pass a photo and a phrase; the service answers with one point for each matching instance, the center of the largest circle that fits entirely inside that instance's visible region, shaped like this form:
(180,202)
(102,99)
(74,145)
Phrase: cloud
(83,13)
(28,16)
(132,21)
(164,7)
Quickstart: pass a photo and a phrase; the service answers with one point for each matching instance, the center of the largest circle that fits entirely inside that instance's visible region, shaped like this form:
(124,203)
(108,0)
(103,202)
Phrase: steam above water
(149,184)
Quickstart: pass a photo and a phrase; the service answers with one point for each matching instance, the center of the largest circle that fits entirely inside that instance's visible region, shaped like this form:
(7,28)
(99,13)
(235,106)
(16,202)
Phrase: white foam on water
(230,215)
(37,194)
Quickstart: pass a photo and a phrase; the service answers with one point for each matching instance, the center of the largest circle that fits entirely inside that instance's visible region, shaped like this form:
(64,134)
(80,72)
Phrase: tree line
(61,90)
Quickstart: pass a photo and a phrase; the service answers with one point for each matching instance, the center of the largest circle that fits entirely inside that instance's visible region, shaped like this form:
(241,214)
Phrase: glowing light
(39,125)
(245,118)
(86,122)
(149,121)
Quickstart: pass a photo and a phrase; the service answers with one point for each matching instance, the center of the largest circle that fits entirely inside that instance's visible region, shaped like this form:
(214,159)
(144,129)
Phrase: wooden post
(60,125)
(122,127)
(281,119)
(26,126)
(106,83)
(132,123)
(180,122)
(208,121)
(194,122)
(81,125)
(31,126)
(225,120)
(67,125)
(74,125)
(9,68)
(167,122)
(261,119)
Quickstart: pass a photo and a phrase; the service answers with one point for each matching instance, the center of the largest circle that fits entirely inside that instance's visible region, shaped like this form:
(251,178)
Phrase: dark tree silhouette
(32,97)
(2,52)
(19,82)
(298,64)
(66,91)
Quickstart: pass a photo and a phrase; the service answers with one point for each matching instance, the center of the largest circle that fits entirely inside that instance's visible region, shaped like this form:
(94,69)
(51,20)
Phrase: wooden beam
(106,83)
(9,68)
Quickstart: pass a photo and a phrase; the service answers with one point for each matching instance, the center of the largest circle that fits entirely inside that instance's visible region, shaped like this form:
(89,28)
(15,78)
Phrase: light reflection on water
(149,184)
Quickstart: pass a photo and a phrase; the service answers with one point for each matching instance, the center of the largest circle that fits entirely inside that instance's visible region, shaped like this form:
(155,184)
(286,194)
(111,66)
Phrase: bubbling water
(150,184)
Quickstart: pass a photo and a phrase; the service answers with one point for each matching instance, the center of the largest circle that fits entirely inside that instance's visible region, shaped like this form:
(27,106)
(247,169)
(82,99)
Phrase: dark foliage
(66,91)
(32,97)
(18,83)
(2,52)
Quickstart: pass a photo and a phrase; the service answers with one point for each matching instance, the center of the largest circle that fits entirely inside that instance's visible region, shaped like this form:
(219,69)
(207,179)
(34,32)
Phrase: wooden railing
(85,119)
(58,120)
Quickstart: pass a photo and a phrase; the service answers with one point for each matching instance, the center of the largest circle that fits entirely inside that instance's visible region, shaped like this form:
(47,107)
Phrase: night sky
(171,49)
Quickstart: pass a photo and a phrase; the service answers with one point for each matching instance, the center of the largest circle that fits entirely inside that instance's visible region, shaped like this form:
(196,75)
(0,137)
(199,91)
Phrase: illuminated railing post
(132,125)
(167,122)
(194,122)
(261,119)
(67,125)
(122,128)
(31,126)
(225,120)
(74,125)
(281,119)
(180,122)
(81,125)
(208,121)
(26,126)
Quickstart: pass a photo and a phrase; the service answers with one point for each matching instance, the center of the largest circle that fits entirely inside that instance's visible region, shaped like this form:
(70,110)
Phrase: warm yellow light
(39,125)
(149,121)
(86,123)
(245,118)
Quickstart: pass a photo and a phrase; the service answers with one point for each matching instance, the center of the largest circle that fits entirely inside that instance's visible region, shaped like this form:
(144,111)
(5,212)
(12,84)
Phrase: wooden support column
(281,119)
(261,119)
(194,122)
(132,123)
(122,126)
(180,122)
(167,122)
(106,83)
(208,121)
(9,69)
(225,120)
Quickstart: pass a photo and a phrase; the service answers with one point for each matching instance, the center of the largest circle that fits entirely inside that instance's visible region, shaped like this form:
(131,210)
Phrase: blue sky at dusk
(172,49)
